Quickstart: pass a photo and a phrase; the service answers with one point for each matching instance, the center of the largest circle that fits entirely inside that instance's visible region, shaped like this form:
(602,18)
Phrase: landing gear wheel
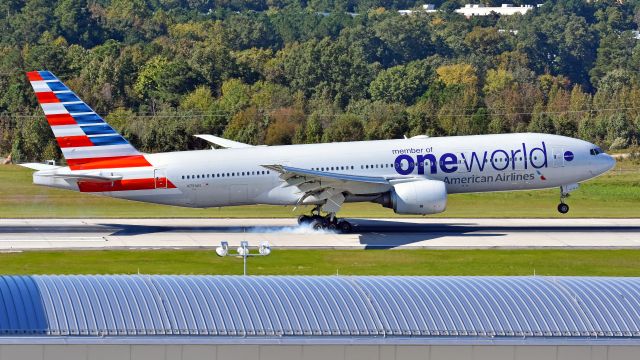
(304,219)
(563,208)
(318,225)
(344,226)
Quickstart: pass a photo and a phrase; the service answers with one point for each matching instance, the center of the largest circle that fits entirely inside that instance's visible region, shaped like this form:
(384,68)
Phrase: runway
(432,233)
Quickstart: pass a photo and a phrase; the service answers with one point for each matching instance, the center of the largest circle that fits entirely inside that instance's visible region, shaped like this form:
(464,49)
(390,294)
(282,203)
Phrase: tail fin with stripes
(86,140)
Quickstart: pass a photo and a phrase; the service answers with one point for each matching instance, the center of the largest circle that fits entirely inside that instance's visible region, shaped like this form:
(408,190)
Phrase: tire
(317,225)
(563,208)
(345,227)
(304,219)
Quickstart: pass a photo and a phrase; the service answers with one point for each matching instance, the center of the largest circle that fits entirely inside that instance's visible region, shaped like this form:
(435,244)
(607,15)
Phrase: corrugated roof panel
(320,306)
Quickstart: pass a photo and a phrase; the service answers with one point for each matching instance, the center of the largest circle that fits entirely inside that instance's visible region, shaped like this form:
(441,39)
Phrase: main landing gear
(328,222)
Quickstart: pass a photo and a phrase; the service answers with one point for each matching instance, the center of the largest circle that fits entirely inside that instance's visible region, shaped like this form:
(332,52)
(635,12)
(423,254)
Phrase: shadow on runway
(373,234)
(388,234)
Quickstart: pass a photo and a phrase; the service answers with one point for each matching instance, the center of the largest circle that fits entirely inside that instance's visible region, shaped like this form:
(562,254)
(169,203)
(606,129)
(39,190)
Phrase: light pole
(243,251)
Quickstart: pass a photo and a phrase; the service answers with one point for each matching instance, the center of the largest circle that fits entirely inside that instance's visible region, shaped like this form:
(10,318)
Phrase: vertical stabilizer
(86,140)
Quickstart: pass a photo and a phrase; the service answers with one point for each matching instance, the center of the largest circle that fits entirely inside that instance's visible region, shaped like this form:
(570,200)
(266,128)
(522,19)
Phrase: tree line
(284,71)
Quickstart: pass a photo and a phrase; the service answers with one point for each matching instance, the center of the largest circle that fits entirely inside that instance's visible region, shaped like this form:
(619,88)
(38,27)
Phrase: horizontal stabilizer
(39,166)
(79,177)
(222,142)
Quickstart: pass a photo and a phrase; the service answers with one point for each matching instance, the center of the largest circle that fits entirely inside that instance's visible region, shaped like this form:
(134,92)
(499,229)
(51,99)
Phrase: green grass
(616,194)
(331,262)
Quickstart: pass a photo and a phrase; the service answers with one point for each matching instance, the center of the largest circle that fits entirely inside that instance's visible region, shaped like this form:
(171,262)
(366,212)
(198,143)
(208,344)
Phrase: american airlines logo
(499,160)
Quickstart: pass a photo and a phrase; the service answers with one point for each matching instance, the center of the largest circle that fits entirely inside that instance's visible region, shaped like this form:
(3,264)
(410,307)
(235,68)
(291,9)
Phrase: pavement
(432,233)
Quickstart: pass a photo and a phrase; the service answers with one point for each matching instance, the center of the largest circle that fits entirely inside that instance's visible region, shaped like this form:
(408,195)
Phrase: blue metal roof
(276,306)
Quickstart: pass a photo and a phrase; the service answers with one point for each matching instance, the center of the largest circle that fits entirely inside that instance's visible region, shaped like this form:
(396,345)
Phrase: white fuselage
(482,163)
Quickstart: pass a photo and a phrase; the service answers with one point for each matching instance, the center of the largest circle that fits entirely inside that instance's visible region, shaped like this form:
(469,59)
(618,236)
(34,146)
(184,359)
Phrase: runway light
(264,249)
(223,249)
(243,251)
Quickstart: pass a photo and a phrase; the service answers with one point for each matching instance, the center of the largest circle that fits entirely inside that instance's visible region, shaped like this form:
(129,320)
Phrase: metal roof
(319,306)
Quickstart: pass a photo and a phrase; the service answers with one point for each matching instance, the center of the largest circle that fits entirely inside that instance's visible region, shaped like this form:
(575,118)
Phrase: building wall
(317,352)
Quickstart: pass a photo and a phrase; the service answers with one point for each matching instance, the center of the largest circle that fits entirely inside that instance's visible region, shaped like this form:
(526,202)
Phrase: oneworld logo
(499,160)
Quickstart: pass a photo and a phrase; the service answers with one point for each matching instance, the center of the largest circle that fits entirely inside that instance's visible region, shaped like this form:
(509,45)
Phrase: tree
(498,80)
(283,126)
(251,30)
(486,42)
(247,126)
(199,100)
(76,23)
(560,43)
(164,80)
(381,120)
(614,53)
(457,74)
(402,83)
(313,129)
(407,37)
(347,127)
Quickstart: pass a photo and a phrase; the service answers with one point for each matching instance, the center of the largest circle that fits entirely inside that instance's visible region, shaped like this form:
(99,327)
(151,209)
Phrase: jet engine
(416,197)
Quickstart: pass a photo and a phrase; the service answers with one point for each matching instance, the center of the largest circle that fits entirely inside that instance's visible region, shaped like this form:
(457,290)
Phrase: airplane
(411,176)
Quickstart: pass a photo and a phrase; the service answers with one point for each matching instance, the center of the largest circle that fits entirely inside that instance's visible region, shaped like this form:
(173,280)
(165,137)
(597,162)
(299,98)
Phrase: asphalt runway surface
(434,233)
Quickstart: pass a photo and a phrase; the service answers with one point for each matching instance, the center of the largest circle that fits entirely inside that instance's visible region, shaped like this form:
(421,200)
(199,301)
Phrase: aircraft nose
(611,162)
(606,162)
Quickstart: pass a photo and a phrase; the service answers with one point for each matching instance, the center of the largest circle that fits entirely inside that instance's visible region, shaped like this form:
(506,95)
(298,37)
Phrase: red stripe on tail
(60,119)
(74,141)
(47,97)
(108,162)
(34,76)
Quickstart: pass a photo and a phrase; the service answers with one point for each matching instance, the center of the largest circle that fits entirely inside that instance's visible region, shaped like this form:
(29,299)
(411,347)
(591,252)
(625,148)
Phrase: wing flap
(326,188)
(290,172)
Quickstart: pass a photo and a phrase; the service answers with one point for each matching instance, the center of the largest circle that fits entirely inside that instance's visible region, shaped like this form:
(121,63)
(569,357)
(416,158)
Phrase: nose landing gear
(563,208)
(564,193)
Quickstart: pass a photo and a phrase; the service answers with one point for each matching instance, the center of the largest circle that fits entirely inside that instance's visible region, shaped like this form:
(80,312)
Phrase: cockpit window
(596,151)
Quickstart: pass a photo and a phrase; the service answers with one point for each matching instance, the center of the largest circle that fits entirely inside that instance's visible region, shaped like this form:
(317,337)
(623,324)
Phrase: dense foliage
(287,71)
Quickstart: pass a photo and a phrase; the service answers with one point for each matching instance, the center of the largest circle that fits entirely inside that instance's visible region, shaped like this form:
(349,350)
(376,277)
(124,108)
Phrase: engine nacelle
(416,197)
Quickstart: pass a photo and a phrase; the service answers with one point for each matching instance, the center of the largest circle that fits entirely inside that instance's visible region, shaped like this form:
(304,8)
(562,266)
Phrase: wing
(229,144)
(330,188)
